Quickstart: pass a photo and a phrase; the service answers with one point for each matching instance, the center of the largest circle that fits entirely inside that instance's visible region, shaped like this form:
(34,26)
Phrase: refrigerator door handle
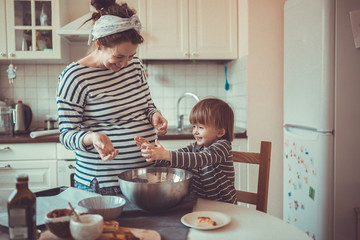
(305,134)
(289,126)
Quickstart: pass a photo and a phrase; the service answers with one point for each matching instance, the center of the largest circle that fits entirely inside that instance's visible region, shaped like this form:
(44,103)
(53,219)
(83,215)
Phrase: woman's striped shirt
(212,167)
(117,104)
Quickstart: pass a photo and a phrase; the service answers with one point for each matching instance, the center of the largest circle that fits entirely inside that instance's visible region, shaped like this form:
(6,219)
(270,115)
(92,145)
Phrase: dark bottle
(22,211)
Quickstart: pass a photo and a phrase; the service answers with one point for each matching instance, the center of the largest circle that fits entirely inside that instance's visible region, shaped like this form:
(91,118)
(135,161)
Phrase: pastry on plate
(112,231)
(205,222)
(110,226)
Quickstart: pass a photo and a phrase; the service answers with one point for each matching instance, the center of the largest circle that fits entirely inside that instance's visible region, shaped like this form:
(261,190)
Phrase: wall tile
(168,80)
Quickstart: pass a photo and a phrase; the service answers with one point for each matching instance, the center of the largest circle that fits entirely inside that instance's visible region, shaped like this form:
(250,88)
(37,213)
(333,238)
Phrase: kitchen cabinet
(28,30)
(37,160)
(189,29)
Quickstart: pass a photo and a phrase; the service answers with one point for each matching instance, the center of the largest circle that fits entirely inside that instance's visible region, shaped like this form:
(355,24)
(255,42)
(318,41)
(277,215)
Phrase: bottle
(19,118)
(22,211)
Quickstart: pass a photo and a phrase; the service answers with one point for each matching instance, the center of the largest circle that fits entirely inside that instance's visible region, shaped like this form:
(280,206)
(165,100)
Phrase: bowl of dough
(155,188)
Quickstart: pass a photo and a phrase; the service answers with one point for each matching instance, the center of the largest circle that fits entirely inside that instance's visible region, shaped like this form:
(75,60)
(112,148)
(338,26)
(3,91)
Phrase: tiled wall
(35,85)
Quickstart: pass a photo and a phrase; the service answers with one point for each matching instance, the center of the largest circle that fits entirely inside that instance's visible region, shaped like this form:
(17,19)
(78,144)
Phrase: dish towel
(36,134)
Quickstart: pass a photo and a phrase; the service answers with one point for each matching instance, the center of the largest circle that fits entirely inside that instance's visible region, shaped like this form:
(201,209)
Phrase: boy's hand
(140,140)
(153,153)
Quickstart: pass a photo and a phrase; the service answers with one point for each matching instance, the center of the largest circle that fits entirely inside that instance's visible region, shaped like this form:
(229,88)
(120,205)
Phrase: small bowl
(58,222)
(110,207)
(90,227)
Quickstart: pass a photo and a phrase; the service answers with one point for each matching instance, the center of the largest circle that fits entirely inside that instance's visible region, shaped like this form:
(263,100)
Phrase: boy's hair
(214,112)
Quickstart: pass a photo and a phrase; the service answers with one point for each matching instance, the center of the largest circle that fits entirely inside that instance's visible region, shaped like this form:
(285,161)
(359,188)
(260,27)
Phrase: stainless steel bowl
(155,188)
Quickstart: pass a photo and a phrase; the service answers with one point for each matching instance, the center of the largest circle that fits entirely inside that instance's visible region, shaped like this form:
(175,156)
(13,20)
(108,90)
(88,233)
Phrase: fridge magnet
(296,205)
(302,207)
(289,194)
(11,73)
(294,185)
(299,185)
(312,193)
(305,180)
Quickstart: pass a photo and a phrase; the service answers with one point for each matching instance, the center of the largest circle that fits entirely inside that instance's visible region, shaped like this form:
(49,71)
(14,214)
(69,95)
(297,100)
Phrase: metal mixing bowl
(155,188)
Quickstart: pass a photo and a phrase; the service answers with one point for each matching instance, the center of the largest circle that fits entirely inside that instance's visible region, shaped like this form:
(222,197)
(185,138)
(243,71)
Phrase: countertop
(172,134)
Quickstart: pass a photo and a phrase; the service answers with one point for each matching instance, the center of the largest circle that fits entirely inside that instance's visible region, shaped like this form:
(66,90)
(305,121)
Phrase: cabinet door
(27,151)
(31,26)
(165,29)
(213,29)
(3,48)
(42,174)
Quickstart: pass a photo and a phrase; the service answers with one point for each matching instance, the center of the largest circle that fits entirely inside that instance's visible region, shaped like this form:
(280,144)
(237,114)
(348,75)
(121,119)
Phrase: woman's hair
(214,112)
(110,7)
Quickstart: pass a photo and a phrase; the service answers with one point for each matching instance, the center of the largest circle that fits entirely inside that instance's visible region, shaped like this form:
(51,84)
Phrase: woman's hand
(102,144)
(150,152)
(159,123)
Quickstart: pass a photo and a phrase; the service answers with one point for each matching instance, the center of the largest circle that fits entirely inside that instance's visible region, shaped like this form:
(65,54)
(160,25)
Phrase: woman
(104,102)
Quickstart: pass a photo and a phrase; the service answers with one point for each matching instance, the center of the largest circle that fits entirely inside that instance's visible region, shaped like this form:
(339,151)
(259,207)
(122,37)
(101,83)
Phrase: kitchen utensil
(22,118)
(76,215)
(6,120)
(90,227)
(110,207)
(155,188)
(57,222)
(50,124)
(227,85)
(191,220)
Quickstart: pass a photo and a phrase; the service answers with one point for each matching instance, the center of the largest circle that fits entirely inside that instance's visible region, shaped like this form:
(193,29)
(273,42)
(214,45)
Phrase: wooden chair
(263,160)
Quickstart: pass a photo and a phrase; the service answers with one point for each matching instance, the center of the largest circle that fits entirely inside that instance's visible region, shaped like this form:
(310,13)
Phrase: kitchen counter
(172,134)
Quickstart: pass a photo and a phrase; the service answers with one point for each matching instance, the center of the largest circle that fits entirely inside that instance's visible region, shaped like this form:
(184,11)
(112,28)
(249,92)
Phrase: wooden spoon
(77,216)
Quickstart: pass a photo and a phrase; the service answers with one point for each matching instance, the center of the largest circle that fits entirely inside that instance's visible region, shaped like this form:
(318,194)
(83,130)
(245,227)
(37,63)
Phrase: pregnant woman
(104,102)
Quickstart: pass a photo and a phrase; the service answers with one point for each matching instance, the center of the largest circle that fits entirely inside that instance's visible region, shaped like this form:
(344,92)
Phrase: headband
(110,24)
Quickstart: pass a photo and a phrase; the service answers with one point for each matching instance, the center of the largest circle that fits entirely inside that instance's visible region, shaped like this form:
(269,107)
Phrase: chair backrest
(263,160)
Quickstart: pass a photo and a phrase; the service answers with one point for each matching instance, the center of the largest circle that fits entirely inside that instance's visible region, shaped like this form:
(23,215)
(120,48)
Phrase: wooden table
(246,224)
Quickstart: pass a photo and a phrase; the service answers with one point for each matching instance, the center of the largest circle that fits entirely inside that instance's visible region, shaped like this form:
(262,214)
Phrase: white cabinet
(38,160)
(189,29)
(28,29)
(65,166)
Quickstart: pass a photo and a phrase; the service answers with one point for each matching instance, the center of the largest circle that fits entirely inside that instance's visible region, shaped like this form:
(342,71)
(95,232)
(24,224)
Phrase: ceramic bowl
(57,222)
(155,188)
(90,227)
(110,207)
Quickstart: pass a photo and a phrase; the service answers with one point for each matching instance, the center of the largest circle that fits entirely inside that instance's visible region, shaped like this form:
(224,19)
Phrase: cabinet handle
(5,148)
(3,54)
(71,167)
(12,54)
(5,166)
(186,54)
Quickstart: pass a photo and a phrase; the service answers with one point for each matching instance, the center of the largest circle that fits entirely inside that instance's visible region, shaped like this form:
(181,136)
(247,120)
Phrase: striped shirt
(212,167)
(117,104)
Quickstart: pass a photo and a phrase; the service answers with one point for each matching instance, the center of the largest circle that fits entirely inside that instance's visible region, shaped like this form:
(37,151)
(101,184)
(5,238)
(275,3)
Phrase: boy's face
(205,135)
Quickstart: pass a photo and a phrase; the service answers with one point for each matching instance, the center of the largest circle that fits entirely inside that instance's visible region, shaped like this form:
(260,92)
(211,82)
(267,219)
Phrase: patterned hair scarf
(110,24)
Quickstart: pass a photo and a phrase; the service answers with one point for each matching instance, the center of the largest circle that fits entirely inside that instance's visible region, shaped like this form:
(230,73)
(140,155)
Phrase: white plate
(190,219)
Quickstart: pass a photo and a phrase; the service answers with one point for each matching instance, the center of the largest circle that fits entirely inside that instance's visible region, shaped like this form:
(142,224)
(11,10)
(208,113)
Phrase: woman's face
(117,57)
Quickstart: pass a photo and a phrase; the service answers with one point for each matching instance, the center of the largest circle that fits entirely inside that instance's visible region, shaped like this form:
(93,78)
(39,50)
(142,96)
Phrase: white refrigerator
(321,117)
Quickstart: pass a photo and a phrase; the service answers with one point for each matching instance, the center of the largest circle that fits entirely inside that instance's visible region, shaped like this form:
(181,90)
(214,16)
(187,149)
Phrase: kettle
(22,117)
